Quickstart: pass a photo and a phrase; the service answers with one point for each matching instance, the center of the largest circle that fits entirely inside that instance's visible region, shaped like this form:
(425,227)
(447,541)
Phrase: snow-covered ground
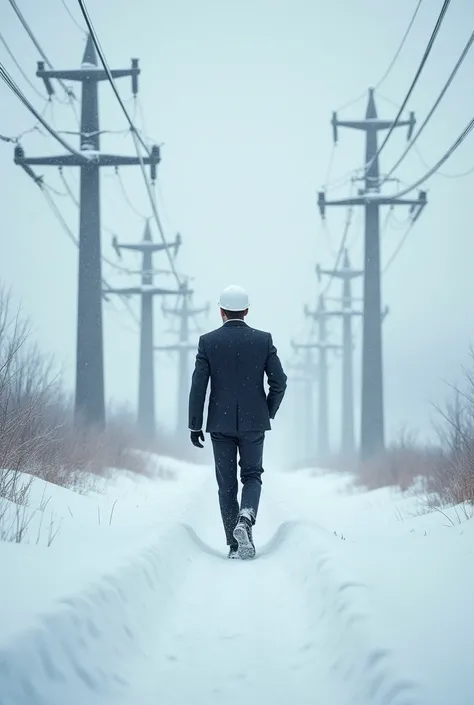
(355,598)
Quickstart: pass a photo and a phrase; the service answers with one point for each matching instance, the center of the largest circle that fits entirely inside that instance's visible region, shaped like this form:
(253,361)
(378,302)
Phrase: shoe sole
(246,549)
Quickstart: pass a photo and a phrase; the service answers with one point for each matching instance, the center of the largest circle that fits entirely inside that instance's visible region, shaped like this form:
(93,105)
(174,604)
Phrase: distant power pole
(90,404)
(147,290)
(346,274)
(320,315)
(372,411)
(306,375)
(183,347)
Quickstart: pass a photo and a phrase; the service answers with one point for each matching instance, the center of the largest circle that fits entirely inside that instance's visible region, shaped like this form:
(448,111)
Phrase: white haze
(241,95)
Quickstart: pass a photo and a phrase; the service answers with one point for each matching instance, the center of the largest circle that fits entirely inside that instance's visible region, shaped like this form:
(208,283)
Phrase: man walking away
(236,357)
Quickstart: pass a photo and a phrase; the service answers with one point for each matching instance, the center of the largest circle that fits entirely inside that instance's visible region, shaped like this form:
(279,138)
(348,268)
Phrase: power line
(44,190)
(162,202)
(100,51)
(396,224)
(460,175)
(67,89)
(341,247)
(16,140)
(352,242)
(65,5)
(388,100)
(125,196)
(78,133)
(17,64)
(444,158)
(152,197)
(137,139)
(75,200)
(424,59)
(435,105)
(351,102)
(141,114)
(62,194)
(387,221)
(16,90)
(402,43)
(399,247)
(327,234)
(119,268)
(49,199)
(330,165)
(342,180)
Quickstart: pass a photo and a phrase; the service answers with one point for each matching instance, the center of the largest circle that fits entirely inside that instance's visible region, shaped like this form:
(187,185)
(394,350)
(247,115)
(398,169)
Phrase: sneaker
(233,551)
(243,536)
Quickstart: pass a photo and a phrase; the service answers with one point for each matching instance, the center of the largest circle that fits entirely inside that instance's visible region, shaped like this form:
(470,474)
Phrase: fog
(240,97)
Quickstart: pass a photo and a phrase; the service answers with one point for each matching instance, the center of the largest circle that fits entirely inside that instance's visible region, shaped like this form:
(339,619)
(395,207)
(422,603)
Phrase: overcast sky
(241,96)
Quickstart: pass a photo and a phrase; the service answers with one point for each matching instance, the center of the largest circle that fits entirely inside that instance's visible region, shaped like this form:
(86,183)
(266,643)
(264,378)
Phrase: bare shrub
(446,470)
(38,432)
(452,481)
(78,452)
(24,389)
(40,436)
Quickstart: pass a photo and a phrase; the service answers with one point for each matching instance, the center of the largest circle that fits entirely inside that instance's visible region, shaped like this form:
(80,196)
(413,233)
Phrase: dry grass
(400,465)
(39,436)
(38,433)
(445,471)
(75,450)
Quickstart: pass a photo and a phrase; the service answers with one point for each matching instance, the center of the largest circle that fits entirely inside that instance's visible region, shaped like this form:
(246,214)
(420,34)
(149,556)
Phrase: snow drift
(146,609)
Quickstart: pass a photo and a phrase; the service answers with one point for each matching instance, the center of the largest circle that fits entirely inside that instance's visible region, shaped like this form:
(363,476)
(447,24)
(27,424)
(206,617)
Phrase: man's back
(236,357)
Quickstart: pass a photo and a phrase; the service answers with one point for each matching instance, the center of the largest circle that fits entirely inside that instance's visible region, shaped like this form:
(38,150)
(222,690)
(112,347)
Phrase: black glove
(196,438)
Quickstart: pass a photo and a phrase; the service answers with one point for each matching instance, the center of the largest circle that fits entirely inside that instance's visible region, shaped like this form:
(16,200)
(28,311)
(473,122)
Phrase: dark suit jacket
(235,358)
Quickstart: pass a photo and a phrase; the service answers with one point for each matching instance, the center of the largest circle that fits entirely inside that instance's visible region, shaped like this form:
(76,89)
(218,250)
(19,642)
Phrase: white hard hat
(234,298)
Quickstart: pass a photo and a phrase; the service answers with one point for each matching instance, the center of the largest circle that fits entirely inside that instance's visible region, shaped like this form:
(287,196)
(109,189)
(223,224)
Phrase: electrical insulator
(135,70)
(155,159)
(322,203)
(334,127)
(411,125)
(19,153)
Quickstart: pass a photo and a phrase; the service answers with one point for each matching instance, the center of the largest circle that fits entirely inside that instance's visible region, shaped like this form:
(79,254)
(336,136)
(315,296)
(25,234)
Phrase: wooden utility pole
(346,274)
(323,346)
(372,407)
(90,402)
(147,291)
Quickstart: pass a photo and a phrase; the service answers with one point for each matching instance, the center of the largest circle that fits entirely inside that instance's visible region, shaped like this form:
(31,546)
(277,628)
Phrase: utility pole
(346,274)
(183,347)
(307,375)
(372,412)
(89,403)
(147,290)
(320,315)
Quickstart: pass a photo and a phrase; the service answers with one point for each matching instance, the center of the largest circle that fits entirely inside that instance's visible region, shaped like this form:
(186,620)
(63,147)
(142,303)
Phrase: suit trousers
(249,445)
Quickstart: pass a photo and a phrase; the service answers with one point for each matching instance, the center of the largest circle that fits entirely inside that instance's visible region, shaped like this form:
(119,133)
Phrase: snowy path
(236,630)
(155,613)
